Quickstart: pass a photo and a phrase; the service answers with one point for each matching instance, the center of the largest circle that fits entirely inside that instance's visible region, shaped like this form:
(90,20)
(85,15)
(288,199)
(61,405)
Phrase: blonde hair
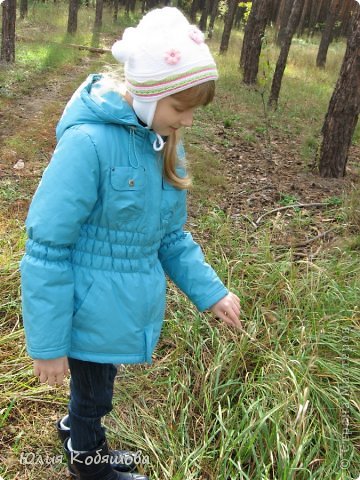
(199,95)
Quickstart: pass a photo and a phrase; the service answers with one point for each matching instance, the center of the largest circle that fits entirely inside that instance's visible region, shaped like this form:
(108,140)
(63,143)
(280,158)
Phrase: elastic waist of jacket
(106,263)
(120,237)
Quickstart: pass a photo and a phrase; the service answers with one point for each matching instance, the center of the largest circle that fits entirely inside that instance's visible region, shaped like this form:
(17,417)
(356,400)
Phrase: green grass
(271,402)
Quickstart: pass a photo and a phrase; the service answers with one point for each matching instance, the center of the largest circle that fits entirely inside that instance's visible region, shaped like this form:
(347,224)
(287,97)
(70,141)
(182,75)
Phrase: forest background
(279,400)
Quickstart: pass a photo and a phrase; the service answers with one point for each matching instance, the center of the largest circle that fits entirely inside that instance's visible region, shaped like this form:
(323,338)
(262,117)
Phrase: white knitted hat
(163,55)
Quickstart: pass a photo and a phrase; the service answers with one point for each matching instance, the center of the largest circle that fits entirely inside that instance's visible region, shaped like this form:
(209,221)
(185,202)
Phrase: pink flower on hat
(172,57)
(196,35)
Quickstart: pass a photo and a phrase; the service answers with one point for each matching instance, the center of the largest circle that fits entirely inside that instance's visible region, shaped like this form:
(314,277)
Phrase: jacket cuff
(210,300)
(36,354)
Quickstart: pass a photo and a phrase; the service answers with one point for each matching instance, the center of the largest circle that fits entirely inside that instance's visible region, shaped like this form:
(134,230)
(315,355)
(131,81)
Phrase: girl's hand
(228,309)
(51,371)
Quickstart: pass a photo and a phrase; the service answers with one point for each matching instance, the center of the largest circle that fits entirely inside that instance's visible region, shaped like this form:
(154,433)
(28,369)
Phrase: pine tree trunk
(346,18)
(254,33)
(274,10)
(284,21)
(204,15)
(23,9)
(284,52)
(279,13)
(73,13)
(327,34)
(193,10)
(239,15)
(99,13)
(228,23)
(7,53)
(303,18)
(213,17)
(116,10)
(315,11)
(344,109)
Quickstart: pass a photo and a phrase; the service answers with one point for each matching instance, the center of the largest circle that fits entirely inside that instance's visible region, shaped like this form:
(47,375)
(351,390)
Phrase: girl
(106,224)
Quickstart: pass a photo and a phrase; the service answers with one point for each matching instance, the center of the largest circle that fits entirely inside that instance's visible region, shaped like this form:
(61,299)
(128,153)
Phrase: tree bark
(279,13)
(284,20)
(193,10)
(344,108)
(23,9)
(315,11)
(214,12)
(303,18)
(99,13)
(284,52)
(346,18)
(274,10)
(254,33)
(327,34)
(7,53)
(204,15)
(239,15)
(116,10)
(228,23)
(73,14)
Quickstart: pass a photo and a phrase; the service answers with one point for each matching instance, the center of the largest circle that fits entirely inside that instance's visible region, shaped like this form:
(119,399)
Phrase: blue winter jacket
(103,227)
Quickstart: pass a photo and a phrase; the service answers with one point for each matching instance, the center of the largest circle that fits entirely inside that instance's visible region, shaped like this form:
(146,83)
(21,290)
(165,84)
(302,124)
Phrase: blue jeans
(91,393)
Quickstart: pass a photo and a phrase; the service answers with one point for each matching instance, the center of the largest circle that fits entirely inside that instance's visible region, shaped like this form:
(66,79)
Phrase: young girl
(106,224)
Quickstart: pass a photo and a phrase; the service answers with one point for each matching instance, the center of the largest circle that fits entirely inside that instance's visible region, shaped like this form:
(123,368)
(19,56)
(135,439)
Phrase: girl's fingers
(236,299)
(43,377)
(231,317)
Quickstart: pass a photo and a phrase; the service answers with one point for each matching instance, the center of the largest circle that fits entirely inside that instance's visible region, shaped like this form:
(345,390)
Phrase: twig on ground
(296,205)
(321,235)
(83,47)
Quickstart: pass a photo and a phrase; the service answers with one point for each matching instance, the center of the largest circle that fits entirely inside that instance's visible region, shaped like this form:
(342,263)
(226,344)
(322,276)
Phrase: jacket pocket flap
(127,178)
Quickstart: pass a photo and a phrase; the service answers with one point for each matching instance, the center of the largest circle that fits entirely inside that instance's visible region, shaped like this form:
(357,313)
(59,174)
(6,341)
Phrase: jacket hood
(96,101)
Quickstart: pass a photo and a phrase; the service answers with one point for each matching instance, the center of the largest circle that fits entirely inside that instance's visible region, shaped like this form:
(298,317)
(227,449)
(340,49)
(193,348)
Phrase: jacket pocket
(82,287)
(127,192)
(169,200)
(80,298)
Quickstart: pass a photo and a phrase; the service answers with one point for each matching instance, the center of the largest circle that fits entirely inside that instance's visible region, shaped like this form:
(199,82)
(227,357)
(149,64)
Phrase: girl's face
(170,115)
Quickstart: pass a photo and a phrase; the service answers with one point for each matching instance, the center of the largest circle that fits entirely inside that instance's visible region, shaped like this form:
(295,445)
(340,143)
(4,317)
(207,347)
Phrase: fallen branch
(296,205)
(321,235)
(83,47)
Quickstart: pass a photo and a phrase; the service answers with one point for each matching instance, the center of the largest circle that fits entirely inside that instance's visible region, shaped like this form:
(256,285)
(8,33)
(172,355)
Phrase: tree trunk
(228,23)
(284,52)
(204,15)
(327,34)
(73,13)
(239,15)
(193,10)
(254,33)
(315,11)
(303,18)
(99,13)
(344,108)
(116,10)
(279,13)
(214,12)
(346,18)
(274,10)
(23,9)
(7,53)
(284,21)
